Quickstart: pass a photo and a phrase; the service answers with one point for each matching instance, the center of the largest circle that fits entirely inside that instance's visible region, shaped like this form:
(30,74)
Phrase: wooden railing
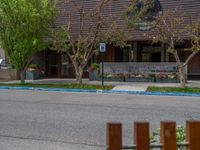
(142,138)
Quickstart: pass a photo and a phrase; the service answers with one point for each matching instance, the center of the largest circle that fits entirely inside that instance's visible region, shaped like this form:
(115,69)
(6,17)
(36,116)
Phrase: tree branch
(190,57)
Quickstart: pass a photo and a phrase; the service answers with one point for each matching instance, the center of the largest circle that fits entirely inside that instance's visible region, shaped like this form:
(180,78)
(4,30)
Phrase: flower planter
(32,75)
(139,79)
(167,80)
(114,79)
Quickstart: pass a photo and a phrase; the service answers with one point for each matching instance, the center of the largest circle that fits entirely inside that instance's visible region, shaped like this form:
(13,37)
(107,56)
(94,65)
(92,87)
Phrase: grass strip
(65,86)
(173,89)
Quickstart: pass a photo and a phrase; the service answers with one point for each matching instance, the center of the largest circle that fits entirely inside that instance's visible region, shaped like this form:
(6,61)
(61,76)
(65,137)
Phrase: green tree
(23,27)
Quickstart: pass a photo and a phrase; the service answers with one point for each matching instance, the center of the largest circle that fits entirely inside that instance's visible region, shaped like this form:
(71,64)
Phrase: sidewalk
(119,86)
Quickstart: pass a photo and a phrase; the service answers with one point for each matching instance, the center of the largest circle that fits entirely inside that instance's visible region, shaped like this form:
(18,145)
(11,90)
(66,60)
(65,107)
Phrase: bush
(33,66)
(95,66)
(180,135)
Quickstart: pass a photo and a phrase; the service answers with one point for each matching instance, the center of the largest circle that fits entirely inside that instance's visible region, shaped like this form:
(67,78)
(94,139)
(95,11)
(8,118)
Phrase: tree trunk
(76,69)
(79,78)
(181,72)
(79,75)
(22,75)
(79,72)
(182,76)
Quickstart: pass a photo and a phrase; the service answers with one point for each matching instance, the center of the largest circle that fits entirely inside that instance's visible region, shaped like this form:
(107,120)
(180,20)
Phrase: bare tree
(170,30)
(93,29)
(193,31)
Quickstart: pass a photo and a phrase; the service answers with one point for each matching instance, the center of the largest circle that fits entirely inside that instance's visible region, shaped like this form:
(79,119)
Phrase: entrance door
(52,64)
(156,57)
(58,65)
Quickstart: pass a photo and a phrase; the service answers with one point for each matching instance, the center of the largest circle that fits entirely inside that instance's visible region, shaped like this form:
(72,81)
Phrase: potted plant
(32,72)
(94,71)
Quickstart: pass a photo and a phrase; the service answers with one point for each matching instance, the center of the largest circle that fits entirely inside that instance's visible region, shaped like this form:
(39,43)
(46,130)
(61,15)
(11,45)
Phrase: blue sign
(102,47)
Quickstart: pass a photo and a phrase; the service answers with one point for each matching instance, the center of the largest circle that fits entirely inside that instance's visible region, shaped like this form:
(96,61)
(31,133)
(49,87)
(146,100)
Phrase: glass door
(53,65)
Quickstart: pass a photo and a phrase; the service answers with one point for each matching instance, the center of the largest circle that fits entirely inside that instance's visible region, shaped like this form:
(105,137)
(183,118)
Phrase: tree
(23,27)
(92,24)
(142,13)
(193,31)
(170,30)
(166,27)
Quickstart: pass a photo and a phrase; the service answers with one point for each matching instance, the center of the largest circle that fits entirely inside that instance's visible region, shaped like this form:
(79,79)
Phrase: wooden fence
(142,138)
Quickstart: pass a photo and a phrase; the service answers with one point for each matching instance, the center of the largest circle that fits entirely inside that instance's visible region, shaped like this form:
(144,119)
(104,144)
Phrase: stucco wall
(8,74)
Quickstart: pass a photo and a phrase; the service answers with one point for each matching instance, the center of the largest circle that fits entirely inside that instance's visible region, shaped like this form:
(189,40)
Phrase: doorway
(51,62)
(156,57)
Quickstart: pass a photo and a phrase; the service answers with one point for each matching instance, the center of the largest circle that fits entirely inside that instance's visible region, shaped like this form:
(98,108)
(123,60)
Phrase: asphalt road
(36,120)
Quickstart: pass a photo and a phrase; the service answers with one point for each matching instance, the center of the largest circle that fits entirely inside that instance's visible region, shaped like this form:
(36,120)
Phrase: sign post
(102,48)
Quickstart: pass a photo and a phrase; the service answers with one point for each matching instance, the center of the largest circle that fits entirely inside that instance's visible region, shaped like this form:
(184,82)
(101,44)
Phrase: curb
(100,91)
(46,89)
(158,93)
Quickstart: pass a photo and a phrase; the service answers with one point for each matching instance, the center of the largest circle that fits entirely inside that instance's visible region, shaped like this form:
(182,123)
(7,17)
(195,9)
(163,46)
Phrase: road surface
(36,120)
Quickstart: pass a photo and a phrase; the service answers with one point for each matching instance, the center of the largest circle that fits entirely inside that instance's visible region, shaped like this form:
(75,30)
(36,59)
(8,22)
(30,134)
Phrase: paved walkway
(121,86)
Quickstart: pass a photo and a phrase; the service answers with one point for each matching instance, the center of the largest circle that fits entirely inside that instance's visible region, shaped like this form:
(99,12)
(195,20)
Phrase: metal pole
(102,71)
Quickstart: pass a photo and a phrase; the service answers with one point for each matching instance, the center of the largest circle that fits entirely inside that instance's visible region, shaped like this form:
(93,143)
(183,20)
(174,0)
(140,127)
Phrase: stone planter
(114,79)
(167,80)
(8,74)
(139,79)
(32,75)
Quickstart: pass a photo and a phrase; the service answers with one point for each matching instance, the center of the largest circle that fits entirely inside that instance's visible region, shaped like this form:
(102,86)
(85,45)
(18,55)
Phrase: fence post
(193,134)
(141,135)
(168,135)
(114,136)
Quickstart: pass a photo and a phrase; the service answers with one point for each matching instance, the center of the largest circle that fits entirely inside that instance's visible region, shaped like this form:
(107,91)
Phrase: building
(142,50)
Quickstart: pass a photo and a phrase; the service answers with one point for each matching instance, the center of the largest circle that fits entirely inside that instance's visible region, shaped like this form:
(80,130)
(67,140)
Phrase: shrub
(95,66)
(180,135)
(33,66)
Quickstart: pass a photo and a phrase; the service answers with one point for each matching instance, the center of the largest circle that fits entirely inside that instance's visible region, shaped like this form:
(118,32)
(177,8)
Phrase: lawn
(65,86)
(173,89)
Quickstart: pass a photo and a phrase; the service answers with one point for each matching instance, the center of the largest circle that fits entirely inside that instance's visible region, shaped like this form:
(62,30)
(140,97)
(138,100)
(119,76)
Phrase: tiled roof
(116,9)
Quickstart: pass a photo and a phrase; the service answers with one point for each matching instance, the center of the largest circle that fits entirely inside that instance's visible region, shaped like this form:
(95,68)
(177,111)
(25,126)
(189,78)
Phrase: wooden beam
(114,136)
(193,134)
(141,135)
(168,135)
